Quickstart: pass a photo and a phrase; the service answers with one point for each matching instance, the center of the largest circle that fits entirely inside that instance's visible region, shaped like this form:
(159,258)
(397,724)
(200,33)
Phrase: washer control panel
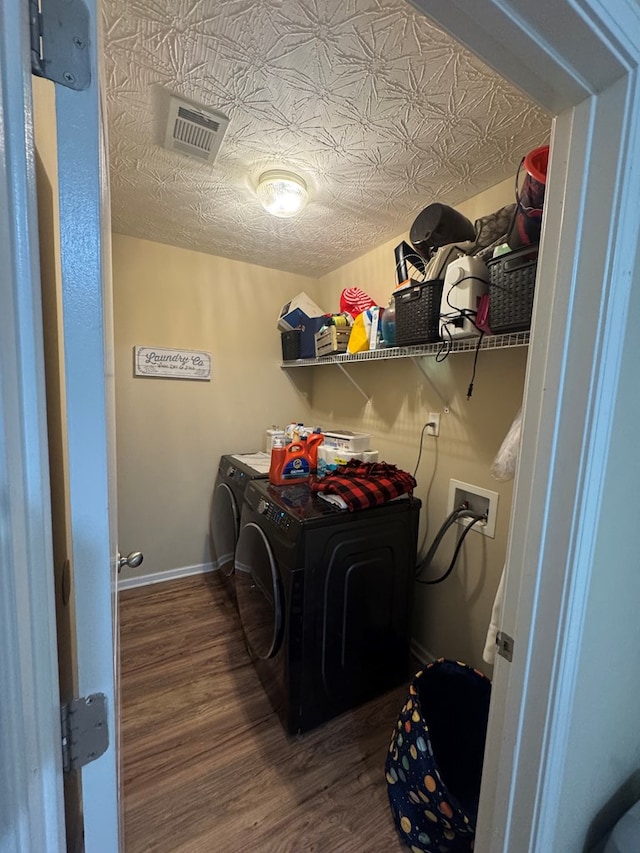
(274,514)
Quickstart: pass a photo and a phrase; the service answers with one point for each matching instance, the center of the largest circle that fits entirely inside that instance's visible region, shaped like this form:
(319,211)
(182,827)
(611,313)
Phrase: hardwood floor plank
(207,765)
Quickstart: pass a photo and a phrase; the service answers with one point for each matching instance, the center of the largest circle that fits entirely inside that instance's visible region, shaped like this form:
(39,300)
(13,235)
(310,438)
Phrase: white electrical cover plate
(480,500)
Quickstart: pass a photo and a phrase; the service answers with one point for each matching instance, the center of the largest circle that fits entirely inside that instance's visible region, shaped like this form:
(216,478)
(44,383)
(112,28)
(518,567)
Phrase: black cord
(475,364)
(444,576)
(463,311)
(427,497)
(428,424)
(444,349)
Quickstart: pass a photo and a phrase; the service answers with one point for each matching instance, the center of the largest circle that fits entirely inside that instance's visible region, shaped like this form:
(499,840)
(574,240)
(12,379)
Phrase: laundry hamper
(434,764)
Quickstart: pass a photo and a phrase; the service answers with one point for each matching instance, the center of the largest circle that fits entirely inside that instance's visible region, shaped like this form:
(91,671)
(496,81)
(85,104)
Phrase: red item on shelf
(354,301)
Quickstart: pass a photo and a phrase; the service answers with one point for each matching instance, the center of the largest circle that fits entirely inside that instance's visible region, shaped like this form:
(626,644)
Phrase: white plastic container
(329,458)
(270,435)
(354,442)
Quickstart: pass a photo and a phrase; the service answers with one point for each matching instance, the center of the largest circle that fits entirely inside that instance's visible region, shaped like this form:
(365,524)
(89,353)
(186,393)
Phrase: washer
(235,472)
(325,599)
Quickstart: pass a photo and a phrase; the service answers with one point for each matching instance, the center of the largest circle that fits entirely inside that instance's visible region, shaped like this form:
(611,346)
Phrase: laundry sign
(171,363)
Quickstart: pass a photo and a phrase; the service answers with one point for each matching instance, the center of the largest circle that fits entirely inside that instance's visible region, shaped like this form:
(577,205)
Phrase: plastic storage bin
(354,442)
(434,764)
(418,312)
(512,284)
(291,344)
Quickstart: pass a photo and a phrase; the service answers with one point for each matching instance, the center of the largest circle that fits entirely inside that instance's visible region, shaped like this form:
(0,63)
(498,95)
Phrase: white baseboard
(167,575)
(419,651)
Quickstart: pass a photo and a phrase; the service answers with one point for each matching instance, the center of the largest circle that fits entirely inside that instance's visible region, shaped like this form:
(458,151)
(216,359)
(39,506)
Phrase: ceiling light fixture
(281,193)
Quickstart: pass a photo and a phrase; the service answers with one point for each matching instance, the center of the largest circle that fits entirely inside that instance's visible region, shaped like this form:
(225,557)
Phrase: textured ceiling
(380,112)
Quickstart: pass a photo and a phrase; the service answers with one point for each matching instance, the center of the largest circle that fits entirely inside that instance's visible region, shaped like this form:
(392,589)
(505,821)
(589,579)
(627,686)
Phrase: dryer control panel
(233,473)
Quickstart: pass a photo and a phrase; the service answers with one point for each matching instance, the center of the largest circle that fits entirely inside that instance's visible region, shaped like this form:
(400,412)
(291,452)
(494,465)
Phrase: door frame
(85,248)
(577,59)
(31,798)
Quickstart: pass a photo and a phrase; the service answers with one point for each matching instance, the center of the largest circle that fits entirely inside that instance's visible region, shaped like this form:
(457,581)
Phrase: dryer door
(224,527)
(258,592)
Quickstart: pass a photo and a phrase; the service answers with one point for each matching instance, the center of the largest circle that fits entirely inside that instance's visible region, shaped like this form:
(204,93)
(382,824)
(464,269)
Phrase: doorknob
(133,559)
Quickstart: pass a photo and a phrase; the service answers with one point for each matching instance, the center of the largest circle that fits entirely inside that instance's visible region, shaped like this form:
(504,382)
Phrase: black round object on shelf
(438,225)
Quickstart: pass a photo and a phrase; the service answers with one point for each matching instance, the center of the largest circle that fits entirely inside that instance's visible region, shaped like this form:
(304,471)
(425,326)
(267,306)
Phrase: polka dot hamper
(434,763)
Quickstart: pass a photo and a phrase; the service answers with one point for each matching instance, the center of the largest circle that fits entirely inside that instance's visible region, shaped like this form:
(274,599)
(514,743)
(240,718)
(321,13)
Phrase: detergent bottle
(293,431)
(313,442)
(289,464)
(277,459)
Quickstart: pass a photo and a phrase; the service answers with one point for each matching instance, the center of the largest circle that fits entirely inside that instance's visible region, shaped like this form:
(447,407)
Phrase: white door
(31,809)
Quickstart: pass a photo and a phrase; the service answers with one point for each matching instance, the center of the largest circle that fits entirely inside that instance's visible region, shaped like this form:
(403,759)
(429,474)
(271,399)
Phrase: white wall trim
(167,575)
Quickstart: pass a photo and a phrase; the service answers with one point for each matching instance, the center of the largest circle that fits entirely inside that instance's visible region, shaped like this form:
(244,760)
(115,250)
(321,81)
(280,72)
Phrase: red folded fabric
(366,484)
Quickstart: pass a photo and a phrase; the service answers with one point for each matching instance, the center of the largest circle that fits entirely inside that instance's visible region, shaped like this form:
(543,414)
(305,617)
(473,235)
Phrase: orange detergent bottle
(289,464)
(313,442)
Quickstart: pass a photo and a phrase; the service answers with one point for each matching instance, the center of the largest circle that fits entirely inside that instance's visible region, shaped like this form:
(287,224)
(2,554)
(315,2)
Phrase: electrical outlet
(434,418)
(480,501)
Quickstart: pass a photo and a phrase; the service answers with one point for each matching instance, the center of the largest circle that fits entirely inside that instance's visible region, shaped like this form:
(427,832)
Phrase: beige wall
(450,619)
(171,433)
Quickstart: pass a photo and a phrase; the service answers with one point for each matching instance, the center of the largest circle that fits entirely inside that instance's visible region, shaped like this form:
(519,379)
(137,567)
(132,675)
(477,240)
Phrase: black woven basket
(418,313)
(291,344)
(511,289)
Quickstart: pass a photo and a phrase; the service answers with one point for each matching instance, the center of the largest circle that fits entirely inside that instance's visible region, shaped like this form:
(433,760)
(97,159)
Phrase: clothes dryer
(234,473)
(325,599)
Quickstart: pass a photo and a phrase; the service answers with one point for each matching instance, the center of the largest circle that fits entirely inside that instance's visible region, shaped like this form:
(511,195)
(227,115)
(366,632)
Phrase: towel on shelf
(363,485)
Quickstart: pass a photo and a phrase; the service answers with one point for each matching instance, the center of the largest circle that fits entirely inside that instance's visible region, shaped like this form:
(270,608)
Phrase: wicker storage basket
(512,284)
(418,312)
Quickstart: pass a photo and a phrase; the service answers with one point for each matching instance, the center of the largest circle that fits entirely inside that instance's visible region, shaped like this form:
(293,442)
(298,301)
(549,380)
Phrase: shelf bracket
(418,361)
(352,380)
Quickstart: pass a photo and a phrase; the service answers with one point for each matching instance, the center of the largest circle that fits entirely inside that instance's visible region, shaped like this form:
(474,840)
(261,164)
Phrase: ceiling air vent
(194,130)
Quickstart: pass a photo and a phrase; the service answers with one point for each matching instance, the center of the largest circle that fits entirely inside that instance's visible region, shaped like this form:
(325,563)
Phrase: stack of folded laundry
(362,485)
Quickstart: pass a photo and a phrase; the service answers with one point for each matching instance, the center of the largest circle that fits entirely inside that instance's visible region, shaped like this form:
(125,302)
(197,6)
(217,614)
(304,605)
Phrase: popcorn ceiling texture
(378,110)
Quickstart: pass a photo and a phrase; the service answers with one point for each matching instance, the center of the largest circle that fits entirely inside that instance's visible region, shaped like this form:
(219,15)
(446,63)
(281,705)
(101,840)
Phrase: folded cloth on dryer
(363,485)
(334,500)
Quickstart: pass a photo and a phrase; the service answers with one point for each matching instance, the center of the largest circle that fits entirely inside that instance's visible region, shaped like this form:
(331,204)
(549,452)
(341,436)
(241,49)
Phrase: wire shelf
(515,339)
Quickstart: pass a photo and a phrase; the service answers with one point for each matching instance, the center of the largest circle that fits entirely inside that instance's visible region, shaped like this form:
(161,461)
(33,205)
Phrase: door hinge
(60,42)
(505,645)
(85,732)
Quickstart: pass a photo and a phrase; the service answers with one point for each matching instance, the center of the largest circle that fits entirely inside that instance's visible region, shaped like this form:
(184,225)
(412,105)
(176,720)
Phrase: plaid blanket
(366,484)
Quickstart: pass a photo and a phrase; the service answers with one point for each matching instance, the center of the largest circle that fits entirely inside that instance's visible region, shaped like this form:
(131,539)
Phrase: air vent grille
(194,130)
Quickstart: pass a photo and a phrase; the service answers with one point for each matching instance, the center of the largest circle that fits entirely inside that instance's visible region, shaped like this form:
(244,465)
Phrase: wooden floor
(207,765)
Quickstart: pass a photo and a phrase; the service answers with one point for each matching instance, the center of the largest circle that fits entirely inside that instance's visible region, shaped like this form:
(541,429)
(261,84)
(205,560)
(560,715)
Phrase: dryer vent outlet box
(194,130)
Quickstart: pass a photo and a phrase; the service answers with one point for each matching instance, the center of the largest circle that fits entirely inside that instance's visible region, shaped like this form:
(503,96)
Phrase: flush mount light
(281,193)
